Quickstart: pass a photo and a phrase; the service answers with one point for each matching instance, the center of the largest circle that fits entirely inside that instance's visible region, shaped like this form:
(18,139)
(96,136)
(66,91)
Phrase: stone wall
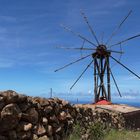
(26,118)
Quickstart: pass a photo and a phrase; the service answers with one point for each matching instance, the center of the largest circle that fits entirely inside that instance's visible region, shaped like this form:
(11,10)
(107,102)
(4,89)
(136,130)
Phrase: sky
(30,31)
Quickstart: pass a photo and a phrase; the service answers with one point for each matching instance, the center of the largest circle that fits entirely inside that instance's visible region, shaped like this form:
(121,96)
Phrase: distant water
(135,104)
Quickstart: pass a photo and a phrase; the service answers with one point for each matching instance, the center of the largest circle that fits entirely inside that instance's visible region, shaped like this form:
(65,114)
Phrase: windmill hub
(101,52)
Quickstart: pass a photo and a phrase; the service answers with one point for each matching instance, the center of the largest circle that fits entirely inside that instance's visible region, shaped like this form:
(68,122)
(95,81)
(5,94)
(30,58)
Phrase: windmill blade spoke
(130,38)
(72,63)
(90,28)
(125,67)
(81,74)
(118,27)
(115,51)
(82,48)
(115,82)
(77,34)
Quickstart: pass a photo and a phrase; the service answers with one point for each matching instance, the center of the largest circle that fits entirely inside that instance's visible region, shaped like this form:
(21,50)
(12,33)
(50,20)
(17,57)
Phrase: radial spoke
(81,74)
(90,28)
(82,48)
(115,82)
(115,51)
(125,67)
(118,27)
(130,38)
(73,62)
(77,34)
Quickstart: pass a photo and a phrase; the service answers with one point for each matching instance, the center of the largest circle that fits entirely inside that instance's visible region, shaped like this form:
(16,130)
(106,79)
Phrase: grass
(93,132)
(114,135)
(111,135)
(122,135)
(97,132)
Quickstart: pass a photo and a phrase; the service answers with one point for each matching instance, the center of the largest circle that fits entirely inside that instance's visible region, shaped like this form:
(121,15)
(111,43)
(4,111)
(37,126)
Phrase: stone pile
(90,116)
(34,118)
(110,119)
(27,118)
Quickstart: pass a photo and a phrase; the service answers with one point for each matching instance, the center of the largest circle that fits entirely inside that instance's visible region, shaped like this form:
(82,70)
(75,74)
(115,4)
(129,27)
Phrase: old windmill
(101,54)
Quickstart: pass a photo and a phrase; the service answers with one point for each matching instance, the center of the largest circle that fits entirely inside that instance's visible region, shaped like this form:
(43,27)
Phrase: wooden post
(95,80)
(108,78)
(101,73)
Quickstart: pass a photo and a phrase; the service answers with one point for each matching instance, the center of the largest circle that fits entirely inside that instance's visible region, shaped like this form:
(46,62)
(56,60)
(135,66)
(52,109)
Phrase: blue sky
(30,30)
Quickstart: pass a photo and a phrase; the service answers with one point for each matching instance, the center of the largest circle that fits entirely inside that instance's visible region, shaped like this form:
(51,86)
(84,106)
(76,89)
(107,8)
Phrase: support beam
(108,79)
(95,80)
(101,65)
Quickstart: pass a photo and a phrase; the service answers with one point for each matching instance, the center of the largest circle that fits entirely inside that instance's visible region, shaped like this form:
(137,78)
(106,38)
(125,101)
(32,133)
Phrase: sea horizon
(130,103)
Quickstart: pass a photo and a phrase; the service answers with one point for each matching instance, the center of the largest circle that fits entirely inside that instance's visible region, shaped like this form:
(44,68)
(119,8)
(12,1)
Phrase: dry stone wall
(31,118)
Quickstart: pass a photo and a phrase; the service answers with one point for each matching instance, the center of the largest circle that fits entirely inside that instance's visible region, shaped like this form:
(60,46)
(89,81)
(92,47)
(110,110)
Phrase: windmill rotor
(101,54)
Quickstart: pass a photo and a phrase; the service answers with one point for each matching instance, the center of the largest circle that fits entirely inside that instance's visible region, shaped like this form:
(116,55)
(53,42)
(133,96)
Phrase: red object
(103,102)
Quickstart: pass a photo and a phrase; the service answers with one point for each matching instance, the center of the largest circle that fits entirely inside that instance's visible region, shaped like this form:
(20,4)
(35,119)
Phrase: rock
(48,110)
(44,121)
(42,101)
(58,130)
(49,130)
(57,100)
(57,137)
(69,117)
(2,103)
(3,138)
(24,106)
(10,114)
(44,138)
(65,103)
(35,137)
(22,98)
(28,127)
(24,126)
(12,135)
(24,135)
(85,137)
(40,131)
(53,119)
(63,116)
(31,115)
(10,96)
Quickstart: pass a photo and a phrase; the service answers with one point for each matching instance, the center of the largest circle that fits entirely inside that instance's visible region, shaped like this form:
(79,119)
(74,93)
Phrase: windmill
(101,54)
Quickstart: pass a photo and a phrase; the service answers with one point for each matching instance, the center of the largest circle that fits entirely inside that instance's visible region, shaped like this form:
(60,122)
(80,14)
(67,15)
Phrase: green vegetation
(97,132)
(91,132)
(122,135)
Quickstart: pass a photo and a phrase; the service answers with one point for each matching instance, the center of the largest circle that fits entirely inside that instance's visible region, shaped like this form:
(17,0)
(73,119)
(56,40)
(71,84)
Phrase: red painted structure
(103,102)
